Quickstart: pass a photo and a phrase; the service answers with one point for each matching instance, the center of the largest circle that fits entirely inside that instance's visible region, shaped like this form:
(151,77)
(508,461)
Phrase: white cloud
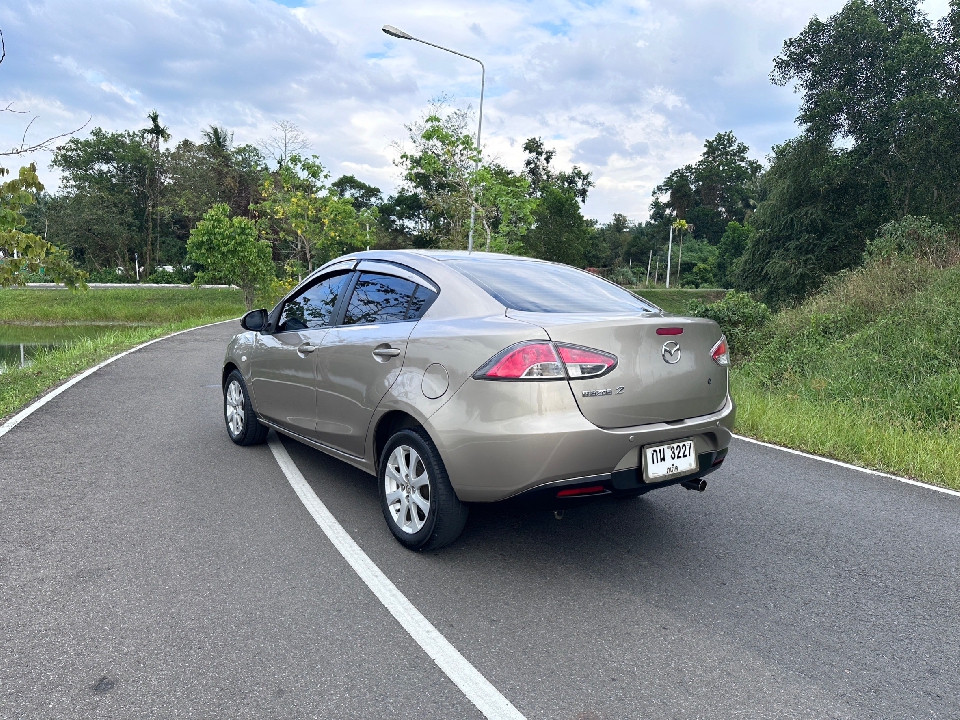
(628,90)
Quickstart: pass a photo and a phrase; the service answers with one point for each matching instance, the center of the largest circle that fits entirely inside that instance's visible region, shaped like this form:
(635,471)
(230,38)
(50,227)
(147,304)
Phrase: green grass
(675,300)
(152,306)
(846,433)
(867,371)
(138,315)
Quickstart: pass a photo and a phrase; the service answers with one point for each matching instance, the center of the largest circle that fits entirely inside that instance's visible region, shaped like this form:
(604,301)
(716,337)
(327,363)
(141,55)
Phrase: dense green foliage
(227,250)
(742,318)
(25,252)
(880,112)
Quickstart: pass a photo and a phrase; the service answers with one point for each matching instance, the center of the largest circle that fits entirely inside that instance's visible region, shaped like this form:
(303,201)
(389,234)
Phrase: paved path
(150,568)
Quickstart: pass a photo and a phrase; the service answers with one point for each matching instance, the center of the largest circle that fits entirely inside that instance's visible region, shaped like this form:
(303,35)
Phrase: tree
(877,79)
(23,252)
(806,224)
(719,188)
(446,170)
(287,140)
(732,246)
(227,250)
(560,232)
(301,211)
(881,140)
(153,136)
(101,213)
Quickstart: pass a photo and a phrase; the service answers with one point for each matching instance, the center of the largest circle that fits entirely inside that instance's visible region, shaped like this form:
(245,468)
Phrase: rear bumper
(621,483)
(500,440)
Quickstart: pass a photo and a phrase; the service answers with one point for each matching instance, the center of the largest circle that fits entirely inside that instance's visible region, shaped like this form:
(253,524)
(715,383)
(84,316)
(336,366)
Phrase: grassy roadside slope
(675,300)
(867,371)
(140,315)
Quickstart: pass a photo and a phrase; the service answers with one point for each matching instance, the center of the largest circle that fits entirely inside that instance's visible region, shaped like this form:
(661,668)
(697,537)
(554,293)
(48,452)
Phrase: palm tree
(153,136)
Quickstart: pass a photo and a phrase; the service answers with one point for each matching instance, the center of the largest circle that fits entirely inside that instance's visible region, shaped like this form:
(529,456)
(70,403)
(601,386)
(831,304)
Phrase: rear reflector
(592,490)
(669,331)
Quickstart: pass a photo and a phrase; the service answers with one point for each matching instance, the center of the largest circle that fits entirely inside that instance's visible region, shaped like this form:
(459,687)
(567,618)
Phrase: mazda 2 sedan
(460,378)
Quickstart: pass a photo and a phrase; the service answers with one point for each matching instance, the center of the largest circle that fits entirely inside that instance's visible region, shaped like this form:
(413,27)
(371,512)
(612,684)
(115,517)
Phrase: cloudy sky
(626,89)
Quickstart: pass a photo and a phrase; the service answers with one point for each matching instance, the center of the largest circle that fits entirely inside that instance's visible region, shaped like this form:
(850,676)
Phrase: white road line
(30,409)
(908,481)
(465,676)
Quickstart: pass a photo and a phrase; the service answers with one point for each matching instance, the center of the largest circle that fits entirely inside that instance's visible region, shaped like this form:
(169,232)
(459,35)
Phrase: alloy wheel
(235,408)
(407,485)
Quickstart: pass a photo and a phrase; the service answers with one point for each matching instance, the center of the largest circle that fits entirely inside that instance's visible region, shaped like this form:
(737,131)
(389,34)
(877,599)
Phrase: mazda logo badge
(671,352)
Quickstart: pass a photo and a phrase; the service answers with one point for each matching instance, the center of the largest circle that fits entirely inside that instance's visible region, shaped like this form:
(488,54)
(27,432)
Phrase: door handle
(306,348)
(387,352)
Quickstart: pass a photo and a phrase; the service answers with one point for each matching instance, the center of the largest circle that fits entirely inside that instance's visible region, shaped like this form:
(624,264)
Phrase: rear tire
(242,424)
(420,506)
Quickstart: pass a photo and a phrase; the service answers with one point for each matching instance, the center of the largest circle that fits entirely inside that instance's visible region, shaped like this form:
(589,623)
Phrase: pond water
(19,344)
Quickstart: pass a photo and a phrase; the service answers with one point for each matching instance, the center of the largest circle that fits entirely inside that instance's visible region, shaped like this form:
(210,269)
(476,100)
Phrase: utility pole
(649,260)
(669,256)
(679,258)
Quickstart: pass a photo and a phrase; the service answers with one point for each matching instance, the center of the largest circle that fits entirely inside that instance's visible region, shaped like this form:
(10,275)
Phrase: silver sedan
(462,378)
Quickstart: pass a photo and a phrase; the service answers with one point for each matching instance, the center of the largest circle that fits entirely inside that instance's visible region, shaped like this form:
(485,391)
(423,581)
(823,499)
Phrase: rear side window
(313,308)
(379,299)
(420,302)
(547,288)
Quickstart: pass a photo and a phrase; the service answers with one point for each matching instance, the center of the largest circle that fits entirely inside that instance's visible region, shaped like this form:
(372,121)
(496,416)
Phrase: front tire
(242,424)
(420,506)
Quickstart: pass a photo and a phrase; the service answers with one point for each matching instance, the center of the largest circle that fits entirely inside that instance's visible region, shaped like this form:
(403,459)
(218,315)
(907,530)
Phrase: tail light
(525,361)
(583,362)
(537,360)
(720,352)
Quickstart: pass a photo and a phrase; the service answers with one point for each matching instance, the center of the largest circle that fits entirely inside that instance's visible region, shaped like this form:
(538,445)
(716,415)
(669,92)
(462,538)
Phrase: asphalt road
(151,569)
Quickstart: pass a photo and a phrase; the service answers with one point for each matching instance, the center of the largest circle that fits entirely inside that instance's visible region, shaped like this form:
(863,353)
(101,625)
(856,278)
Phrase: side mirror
(254,320)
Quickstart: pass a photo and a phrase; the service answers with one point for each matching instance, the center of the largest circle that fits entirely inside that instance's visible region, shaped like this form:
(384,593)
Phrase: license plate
(665,461)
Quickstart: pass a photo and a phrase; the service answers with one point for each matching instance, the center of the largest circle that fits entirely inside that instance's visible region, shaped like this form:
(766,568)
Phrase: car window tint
(313,308)
(378,299)
(422,297)
(545,287)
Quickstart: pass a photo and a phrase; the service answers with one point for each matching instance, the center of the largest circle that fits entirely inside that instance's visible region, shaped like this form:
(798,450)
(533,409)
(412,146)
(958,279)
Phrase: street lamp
(398,33)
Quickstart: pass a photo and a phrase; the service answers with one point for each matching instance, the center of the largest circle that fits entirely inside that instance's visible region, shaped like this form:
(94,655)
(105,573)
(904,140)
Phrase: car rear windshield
(548,288)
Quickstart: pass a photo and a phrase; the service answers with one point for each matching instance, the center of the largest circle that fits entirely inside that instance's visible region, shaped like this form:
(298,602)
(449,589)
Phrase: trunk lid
(654,390)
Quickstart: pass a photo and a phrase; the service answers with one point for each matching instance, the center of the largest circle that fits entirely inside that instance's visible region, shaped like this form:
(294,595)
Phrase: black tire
(447,515)
(243,427)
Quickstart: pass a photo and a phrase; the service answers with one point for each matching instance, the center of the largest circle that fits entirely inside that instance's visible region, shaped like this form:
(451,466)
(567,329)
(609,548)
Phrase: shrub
(739,316)
(701,276)
(623,276)
(913,236)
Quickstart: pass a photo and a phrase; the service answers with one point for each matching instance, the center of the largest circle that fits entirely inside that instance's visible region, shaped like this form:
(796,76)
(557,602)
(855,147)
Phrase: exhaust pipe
(698,485)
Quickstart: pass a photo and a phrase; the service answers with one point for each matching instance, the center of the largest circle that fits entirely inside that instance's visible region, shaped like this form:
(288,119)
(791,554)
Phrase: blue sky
(626,89)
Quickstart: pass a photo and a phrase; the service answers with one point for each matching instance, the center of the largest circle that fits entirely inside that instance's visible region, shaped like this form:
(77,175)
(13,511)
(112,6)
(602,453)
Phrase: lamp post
(398,33)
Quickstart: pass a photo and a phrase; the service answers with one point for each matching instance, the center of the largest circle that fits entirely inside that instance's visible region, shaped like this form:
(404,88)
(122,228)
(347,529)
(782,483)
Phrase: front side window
(378,299)
(313,308)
